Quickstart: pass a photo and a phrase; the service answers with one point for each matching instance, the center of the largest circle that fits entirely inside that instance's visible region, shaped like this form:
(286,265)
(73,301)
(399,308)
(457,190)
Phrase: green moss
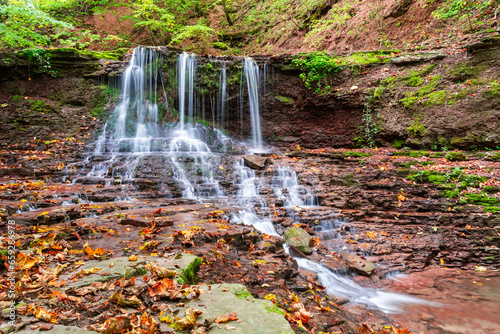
(348,180)
(274,309)
(437,179)
(489,204)
(389,82)
(436,98)
(416,129)
(108,55)
(456,156)
(409,99)
(356,154)
(450,193)
(41,106)
(494,91)
(412,154)
(429,88)
(243,294)
(190,274)
(415,78)
(494,156)
(378,92)
(284,99)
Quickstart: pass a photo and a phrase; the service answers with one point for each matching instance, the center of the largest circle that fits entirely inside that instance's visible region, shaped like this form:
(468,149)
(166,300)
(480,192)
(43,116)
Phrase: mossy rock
(456,156)
(284,99)
(299,238)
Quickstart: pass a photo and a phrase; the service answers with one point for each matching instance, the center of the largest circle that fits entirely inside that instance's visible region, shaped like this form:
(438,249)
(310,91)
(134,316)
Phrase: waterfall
(222,96)
(186,67)
(252,76)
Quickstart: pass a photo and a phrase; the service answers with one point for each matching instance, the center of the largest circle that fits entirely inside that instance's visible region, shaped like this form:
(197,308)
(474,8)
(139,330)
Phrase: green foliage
(198,36)
(41,106)
(158,20)
(190,274)
(220,45)
(397,143)
(457,8)
(369,120)
(378,92)
(315,68)
(40,58)
(26,27)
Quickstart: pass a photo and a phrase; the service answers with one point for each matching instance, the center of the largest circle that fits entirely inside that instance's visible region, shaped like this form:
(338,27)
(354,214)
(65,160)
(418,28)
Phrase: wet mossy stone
(299,238)
(456,156)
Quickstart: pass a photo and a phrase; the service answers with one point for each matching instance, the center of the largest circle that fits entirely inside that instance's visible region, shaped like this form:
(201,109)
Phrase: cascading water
(252,76)
(186,67)
(135,143)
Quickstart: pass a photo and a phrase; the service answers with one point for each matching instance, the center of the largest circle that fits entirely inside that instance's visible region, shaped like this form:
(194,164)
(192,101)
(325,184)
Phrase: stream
(201,163)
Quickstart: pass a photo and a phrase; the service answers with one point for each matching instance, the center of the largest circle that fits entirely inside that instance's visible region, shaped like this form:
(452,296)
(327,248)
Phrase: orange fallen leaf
(236,263)
(226,318)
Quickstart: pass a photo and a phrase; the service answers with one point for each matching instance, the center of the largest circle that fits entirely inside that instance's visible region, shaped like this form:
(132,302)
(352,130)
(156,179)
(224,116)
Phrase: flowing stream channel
(187,157)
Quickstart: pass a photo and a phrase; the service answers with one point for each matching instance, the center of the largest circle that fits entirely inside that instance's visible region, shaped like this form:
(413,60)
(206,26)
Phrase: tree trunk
(229,21)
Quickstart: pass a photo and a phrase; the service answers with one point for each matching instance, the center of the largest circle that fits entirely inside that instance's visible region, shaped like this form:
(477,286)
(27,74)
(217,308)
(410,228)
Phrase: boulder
(359,265)
(298,238)
(254,161)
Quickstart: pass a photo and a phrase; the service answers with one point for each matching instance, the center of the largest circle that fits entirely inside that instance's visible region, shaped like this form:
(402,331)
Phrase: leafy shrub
(24,27)
(197,37)
(315,68)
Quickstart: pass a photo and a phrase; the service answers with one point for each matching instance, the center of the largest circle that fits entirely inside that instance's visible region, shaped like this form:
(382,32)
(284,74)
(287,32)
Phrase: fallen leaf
(226,318)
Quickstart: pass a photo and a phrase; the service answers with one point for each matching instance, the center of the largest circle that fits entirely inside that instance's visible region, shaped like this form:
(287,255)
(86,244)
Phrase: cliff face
(446,98)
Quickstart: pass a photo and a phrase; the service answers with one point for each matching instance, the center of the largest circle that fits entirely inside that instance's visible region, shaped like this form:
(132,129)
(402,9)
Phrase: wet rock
(255,315)
(359,265)
(254,162)
(416,58)
(298,238)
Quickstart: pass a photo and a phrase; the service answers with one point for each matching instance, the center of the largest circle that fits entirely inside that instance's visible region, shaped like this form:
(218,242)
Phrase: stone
(122,265)
(254,162)
(298,238)
(257,315)
(417,58)
(359,265)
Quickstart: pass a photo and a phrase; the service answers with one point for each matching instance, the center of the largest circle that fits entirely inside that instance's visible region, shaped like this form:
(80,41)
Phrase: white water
(252,76)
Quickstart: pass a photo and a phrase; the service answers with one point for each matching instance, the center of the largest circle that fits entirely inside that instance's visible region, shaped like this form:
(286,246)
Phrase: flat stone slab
(257,315)
(359,265)
(121,266)
(57,329)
